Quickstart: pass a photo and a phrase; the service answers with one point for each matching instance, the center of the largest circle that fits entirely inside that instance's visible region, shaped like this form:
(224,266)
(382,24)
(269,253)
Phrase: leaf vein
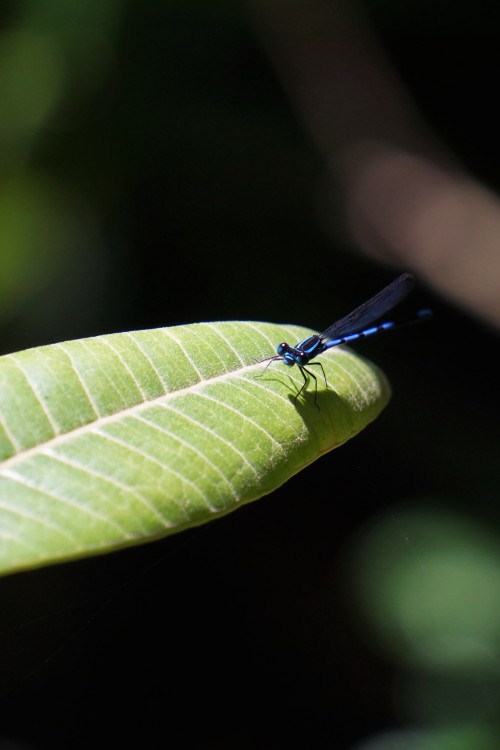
(219,334)
(82,382)
(245,418)
(53,424)
(43,521)
(16,476)
(212,433)
(165,467)
(109,480)
(146,355)
(190,447)
(121,414)
(185,352)
(125,367)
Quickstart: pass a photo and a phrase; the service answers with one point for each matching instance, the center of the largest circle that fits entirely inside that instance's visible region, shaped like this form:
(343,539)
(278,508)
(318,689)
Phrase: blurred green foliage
(429,595)
(457,738)
(147,130)
(53,57)
(432,594)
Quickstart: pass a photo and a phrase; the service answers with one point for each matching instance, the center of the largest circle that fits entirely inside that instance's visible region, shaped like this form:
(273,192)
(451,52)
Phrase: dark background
(155,175)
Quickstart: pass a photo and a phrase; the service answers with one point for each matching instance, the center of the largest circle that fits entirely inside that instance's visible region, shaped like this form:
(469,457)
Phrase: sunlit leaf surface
(120,439)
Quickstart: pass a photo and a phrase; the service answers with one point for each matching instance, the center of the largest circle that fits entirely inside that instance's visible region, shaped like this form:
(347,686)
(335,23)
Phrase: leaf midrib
(109,418)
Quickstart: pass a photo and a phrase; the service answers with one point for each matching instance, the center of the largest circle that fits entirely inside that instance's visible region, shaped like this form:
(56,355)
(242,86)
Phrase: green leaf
(120,439)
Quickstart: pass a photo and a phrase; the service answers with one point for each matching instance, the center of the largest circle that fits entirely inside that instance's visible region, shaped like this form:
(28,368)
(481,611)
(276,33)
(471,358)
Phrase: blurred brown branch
(406,201)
